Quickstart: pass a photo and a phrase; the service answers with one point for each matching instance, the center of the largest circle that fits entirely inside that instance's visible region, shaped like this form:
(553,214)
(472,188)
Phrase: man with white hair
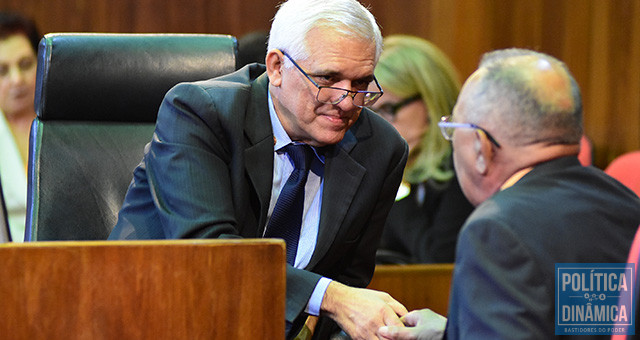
(516,129)
(223,150)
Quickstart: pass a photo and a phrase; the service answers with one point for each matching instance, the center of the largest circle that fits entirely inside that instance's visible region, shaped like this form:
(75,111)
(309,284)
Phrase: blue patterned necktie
(286,218)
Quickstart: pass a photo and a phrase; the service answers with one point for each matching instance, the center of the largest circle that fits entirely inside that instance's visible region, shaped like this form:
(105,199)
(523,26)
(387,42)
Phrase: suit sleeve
(187,167)
(498,290)
(359,264)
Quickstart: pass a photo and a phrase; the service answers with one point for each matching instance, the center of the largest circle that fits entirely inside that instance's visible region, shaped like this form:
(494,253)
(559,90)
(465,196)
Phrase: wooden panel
(186,289)
(598,39)
(416,286)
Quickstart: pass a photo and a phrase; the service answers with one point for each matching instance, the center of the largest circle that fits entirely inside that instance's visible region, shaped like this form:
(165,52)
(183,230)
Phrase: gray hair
(510,95)
(295,18)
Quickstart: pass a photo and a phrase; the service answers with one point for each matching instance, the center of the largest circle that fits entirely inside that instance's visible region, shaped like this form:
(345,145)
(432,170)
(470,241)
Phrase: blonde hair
(408,66)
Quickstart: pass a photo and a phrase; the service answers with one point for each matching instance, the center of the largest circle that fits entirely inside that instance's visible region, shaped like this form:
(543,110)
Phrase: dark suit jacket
(560,212)
(207,173)
(425,231)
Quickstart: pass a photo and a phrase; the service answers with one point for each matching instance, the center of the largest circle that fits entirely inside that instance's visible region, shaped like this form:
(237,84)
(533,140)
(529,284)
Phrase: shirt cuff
(313,307)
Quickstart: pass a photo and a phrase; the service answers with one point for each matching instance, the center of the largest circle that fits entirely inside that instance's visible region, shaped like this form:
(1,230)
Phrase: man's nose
(347,104)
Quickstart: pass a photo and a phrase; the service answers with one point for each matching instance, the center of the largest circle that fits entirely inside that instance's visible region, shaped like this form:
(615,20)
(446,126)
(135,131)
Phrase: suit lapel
(259,151)
(342,178)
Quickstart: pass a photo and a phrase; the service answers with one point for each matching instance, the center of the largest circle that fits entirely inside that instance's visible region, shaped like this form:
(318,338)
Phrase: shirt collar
(515,178)
(281,139)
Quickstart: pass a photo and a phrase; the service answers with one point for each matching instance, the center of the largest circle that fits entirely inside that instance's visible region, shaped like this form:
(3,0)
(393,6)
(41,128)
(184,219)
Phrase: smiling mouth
(336,119)
(336,122)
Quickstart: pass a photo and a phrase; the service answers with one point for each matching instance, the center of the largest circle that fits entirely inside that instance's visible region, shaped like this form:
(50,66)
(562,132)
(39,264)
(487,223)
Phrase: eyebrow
(368,78)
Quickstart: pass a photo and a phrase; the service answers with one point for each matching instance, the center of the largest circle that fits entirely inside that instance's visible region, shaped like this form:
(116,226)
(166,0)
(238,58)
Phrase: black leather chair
(97,97)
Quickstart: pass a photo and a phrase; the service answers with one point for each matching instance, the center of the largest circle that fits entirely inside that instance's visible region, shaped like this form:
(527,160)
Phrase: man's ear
(483,151)
(275,65)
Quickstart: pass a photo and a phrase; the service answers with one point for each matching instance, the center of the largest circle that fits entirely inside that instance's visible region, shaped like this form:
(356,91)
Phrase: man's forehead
(340,62)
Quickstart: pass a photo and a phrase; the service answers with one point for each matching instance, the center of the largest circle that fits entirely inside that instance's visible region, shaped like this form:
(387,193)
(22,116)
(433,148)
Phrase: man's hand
(423,324)
(361,312)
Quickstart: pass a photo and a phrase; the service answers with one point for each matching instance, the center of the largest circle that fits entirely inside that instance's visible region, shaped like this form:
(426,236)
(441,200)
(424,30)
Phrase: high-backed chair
(626,169)
(97,97)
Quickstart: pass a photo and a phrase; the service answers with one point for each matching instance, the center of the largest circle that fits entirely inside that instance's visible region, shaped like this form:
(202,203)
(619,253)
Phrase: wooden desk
(171,289)
(416,286)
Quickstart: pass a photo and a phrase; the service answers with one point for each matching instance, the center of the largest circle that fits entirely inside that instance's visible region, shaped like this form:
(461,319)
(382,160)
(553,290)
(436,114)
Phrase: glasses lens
(359,99)
(329,95)
(371,98)
(362,99)
(333,95)
(447,131)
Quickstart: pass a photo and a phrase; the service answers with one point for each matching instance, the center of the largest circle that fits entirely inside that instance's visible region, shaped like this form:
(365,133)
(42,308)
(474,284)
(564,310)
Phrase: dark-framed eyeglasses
(389,110)
(334,95)
(447,127)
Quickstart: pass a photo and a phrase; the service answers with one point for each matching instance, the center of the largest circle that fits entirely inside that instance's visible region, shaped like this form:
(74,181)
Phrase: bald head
(527,97)
(526,101)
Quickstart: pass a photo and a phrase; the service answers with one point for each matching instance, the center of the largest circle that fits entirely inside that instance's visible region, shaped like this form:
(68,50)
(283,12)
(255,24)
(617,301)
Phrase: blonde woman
(421,85)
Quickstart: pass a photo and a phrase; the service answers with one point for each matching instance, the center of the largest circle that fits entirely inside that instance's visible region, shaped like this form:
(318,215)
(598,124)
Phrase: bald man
(516,129)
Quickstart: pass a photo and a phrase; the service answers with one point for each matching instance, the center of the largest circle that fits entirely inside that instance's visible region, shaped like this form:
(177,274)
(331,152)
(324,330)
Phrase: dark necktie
(286,218)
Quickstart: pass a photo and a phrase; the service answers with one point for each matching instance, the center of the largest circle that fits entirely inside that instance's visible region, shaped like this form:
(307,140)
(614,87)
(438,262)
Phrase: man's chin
(329,138)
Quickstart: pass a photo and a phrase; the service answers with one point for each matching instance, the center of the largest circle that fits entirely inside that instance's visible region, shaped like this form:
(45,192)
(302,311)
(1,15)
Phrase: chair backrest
(634,257)
(626,169)
(585,156)
(97,97)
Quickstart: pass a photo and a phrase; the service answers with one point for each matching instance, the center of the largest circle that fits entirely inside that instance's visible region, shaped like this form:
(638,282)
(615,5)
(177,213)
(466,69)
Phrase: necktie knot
(301,155)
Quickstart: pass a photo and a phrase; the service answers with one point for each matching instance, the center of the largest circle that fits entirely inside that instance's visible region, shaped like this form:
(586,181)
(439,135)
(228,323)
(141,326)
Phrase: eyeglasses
(334,95)
(389,110)
(447,127)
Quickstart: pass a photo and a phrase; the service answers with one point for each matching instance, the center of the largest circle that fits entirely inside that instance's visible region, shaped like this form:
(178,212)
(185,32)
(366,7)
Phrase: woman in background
(421,85)
(18,45)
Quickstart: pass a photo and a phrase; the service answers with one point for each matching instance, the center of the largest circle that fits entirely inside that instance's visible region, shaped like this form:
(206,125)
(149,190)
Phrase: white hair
(295,18)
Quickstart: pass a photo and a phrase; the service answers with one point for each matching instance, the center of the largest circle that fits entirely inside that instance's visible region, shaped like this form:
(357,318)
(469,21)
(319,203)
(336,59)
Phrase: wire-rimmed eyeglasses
(447,127)
(334,95)
(389,110)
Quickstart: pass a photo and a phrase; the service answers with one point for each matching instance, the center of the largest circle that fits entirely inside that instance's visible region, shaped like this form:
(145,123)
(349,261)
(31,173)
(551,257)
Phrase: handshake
(371,314)
(423,324)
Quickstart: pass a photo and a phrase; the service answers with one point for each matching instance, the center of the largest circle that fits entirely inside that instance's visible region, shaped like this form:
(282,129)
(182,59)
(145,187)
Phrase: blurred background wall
(598,39)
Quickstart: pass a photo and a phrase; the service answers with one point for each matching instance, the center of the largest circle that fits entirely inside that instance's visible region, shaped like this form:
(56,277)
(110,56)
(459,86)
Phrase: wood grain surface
(186,289)
(416,286)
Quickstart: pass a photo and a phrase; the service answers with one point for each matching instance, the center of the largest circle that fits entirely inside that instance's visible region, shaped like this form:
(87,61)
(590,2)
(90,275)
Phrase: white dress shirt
(282,168)
(14,181)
